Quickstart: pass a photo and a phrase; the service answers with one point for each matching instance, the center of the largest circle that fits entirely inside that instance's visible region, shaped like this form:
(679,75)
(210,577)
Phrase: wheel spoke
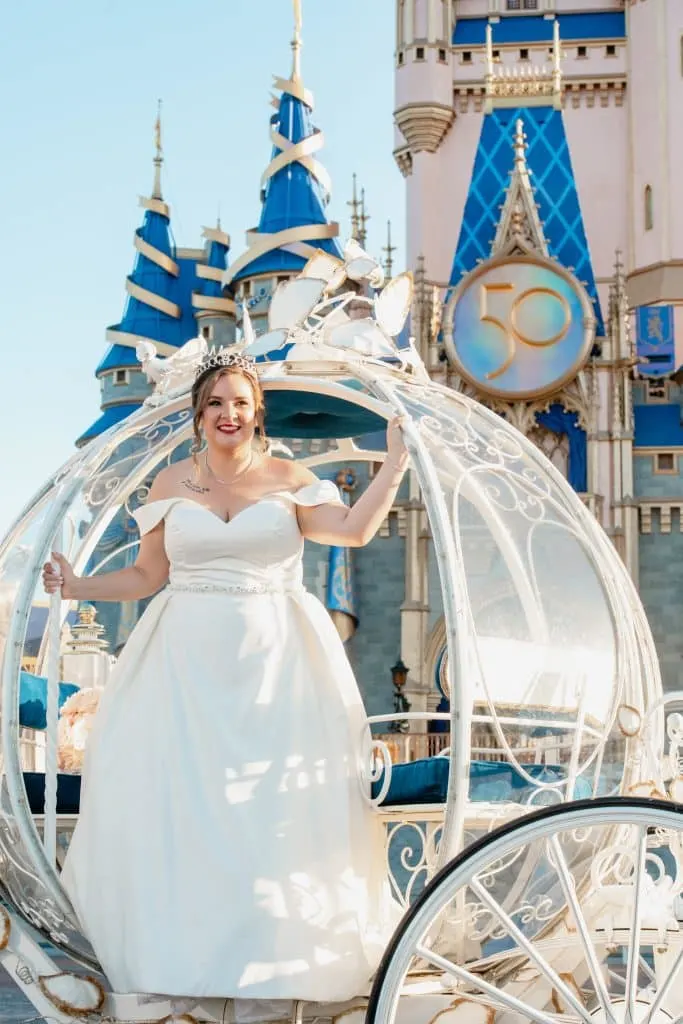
(664,990)
(634,936)
(567,883)
(531,951)
(497,996)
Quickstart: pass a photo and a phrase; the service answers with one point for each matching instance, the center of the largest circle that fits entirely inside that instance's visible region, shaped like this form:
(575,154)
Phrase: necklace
(227,483)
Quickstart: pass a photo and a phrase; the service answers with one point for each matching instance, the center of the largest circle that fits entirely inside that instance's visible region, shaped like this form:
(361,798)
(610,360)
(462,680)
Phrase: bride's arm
(144,578)
(356,526)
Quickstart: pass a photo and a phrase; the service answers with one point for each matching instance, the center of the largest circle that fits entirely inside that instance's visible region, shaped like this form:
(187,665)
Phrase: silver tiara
(222,358)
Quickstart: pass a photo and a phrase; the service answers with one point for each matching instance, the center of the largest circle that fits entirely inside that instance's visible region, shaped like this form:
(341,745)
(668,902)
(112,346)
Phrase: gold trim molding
(295,89)
(155,205)
(263,243)
(216,235)
(153,300)
(155,255)
(212,303)
(131,341)
(209,273)
(300,152)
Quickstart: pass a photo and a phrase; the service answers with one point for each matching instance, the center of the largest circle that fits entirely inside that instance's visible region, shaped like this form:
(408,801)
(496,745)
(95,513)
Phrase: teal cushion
(68,792)
(33,699)
(426,782)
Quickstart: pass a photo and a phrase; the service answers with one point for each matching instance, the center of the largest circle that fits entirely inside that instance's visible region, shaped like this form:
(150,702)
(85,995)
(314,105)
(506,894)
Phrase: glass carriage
(539,884)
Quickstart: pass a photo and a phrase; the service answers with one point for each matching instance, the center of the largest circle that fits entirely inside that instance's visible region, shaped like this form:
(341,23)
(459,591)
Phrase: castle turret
(295,192)
(214,312)
(654,265)
(423,115)
(153,311)
(172,295)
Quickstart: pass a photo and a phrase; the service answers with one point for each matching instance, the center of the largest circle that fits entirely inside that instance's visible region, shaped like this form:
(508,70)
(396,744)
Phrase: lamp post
(399,677)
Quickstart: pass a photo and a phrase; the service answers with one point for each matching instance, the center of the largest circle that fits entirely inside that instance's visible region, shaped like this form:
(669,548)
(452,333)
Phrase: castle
(538,142)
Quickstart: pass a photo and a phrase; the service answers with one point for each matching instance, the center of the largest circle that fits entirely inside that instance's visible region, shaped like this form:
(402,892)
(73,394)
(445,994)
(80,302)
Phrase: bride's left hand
(397,453)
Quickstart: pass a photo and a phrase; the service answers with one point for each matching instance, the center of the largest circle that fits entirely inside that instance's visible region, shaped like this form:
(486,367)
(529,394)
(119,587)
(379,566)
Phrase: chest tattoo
(196,488)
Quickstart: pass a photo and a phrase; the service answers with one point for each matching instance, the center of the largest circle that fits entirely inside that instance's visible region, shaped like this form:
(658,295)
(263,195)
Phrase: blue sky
(79,83)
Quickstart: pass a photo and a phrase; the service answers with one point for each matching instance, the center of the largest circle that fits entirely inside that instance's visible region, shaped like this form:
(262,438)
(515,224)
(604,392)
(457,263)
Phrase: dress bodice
(260,546)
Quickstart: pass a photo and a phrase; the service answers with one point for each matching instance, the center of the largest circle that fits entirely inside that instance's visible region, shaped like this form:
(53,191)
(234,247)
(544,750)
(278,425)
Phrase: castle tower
(171,295)
(653,262)
(214,311)
(295,192)
(423,116)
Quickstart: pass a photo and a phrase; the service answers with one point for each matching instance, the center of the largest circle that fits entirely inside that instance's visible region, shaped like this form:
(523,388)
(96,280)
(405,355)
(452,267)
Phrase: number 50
(511,331)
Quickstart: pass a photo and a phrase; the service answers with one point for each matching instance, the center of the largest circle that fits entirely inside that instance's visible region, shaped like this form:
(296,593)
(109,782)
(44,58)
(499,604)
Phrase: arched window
(649,215)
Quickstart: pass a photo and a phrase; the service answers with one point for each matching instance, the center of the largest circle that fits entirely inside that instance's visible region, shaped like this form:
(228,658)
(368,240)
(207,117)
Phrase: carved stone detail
(424,125)
(404,160)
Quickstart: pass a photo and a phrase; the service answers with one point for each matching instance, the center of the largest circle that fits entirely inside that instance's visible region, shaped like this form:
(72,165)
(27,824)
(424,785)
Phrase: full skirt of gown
(225,846)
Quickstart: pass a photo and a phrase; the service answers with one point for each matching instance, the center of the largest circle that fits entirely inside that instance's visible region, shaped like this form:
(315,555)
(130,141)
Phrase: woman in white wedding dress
(225,846)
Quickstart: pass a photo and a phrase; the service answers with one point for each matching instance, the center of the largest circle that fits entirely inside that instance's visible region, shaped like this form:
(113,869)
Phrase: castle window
(522,5)
(649,209)
(466,57)
(496,54)
(442,56)
(400,56)
(582,52)
(246,289)
(665,462)
(610,50)
(524,53)
(419,53)
(207,332)
(120,377)
(656,390)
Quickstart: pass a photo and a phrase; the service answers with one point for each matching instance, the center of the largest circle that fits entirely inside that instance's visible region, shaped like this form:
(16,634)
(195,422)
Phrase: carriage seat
(418,782)
(426,782)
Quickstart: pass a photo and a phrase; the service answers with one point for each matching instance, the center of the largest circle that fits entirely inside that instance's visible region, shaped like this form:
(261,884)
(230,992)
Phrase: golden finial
(353,203)
(159,156)
(519,145)
(296,42)
(389,249)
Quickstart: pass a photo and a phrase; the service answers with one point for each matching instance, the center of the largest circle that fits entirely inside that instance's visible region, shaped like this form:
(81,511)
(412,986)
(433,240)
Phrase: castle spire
(389,249)
(355,209)
(363,219)
(519,228)
(296,42)
(159,155)
(295,187)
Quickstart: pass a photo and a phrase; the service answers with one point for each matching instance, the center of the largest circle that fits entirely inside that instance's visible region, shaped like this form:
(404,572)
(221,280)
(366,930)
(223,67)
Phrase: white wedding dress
(224,846)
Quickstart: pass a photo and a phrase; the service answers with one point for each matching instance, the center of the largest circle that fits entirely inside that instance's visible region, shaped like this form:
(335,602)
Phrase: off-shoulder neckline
(253,504)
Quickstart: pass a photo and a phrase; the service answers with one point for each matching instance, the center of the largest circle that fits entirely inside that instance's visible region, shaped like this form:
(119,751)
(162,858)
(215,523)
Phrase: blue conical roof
(155,308)
(295,194)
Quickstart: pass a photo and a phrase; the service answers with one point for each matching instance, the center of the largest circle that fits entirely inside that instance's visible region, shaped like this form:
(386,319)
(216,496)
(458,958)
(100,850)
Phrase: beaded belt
(234,588)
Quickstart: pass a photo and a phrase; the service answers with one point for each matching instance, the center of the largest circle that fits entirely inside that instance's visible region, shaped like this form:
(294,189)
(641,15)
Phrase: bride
(225,846)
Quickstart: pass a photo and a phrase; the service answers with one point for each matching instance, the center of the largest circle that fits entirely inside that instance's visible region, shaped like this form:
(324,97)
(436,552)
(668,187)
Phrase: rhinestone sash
(232,588)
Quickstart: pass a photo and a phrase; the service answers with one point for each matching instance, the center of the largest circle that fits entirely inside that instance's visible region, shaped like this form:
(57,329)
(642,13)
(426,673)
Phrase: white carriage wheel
(596,931)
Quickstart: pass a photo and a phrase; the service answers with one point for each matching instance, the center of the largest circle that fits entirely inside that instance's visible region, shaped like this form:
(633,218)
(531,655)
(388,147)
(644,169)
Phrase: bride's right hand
(63,577)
